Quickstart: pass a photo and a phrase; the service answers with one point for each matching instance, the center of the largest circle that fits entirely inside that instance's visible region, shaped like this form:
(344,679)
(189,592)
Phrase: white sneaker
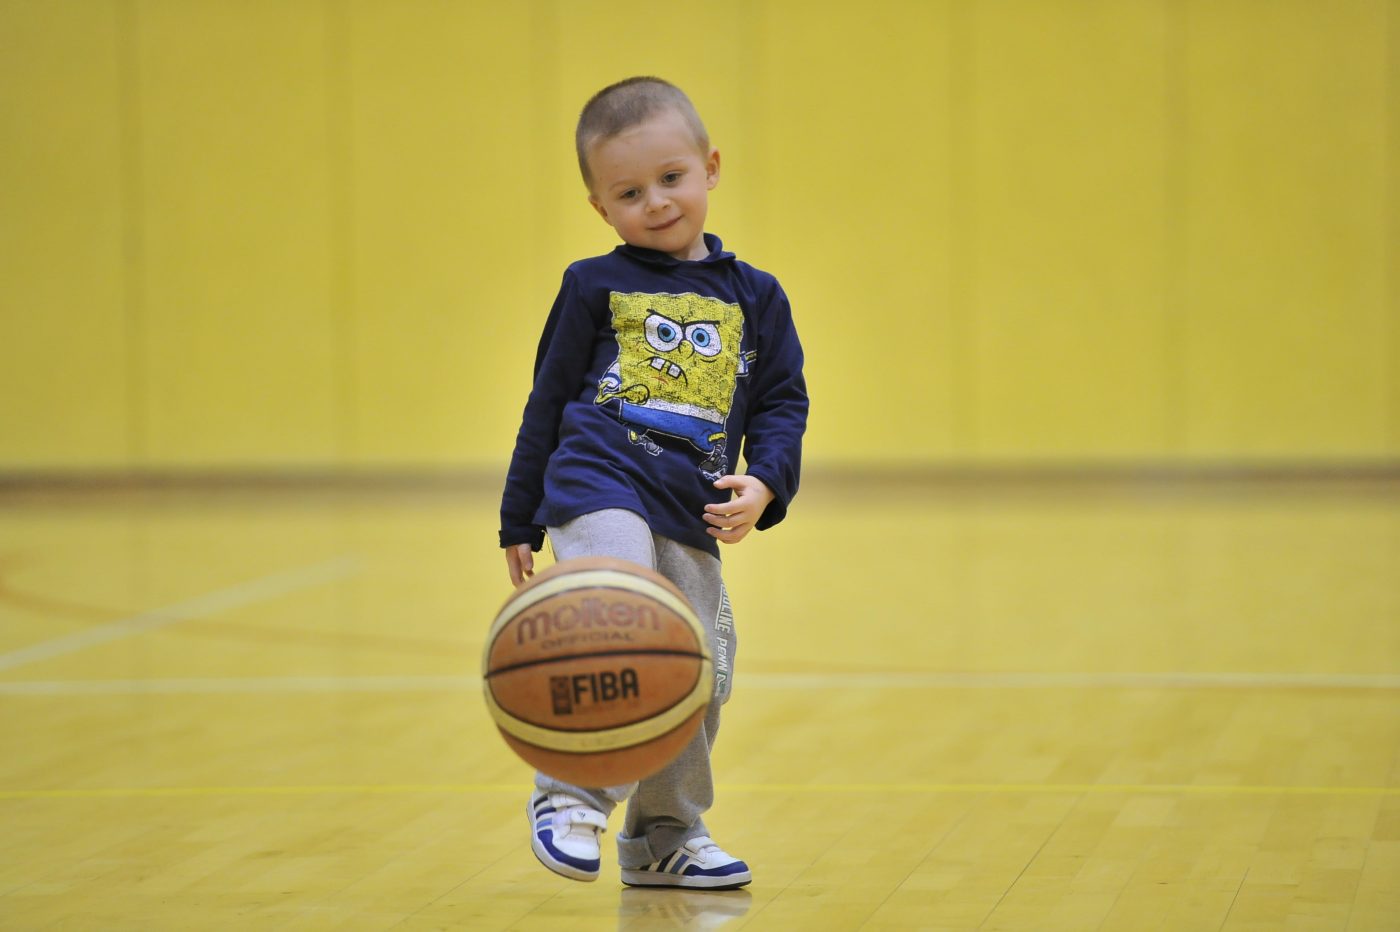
(564,834)
(697,864)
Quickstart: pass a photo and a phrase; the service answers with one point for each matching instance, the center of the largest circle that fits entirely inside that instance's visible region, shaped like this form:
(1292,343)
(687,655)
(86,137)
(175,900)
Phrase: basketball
(597,671)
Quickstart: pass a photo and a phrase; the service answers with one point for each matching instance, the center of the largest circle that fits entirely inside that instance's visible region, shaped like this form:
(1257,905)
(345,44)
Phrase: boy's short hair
(621,106)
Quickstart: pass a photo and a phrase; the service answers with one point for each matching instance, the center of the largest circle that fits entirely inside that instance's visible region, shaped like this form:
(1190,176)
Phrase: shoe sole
(542,855)
(685,882)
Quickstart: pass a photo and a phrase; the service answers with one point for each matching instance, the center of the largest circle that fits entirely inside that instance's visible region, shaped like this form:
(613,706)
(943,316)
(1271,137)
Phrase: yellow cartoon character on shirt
(678,361)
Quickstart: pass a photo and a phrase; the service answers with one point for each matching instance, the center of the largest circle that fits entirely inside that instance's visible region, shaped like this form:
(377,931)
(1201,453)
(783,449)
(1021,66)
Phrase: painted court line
(1073,680)
(785,789)
(248,592)
(243,684)
(757,681)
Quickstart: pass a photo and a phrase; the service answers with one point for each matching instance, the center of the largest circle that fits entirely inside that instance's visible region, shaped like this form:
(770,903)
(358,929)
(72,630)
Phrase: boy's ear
(602,212)
(712,169)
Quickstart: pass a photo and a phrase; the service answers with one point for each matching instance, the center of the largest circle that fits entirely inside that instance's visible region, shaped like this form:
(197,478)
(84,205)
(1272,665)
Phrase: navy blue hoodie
(650,373)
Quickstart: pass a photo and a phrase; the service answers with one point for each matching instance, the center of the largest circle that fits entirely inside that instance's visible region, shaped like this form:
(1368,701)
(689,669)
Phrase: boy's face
(651,183)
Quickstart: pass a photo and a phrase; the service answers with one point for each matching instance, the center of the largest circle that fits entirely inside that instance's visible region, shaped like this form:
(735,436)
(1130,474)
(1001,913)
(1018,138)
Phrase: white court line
(221,600)
(784,789)
(757,681)
(260,684)
(1073,680)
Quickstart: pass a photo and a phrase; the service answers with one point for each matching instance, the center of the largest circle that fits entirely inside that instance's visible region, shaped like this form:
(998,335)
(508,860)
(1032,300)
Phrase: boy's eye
(629,194)
(671,177)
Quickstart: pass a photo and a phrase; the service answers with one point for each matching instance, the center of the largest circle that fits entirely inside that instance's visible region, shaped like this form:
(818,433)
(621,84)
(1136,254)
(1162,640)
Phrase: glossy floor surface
(959,704)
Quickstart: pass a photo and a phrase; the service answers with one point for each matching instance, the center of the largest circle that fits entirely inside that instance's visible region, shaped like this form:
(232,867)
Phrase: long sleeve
(778,415)
(561,362)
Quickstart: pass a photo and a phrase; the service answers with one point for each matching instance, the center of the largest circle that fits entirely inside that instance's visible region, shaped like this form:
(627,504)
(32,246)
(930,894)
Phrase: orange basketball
(597,671)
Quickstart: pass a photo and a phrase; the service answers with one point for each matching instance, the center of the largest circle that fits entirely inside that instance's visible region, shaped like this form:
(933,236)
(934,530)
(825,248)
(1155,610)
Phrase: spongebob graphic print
(678,362)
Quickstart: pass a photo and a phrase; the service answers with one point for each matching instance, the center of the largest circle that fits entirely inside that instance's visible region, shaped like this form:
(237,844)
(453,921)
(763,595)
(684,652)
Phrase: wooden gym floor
(961,704)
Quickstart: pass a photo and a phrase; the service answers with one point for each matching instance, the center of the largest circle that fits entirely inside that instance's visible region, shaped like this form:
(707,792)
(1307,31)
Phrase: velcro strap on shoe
(700,843)
(582,816)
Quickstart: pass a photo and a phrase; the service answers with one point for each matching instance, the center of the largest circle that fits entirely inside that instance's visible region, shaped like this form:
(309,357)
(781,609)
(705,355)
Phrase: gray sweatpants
(663,811)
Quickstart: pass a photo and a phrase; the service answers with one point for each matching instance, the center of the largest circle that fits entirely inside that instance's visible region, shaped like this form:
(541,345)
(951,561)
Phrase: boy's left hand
(731,521)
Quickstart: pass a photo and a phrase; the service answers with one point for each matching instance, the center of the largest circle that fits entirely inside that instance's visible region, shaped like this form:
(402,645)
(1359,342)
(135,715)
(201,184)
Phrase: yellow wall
(287,233)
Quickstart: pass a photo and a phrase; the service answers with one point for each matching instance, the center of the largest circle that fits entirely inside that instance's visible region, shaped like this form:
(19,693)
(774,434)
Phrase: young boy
(658,360)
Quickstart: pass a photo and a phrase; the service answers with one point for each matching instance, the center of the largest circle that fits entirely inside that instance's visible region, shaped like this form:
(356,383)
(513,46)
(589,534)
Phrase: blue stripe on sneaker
(680,863)
(547,837)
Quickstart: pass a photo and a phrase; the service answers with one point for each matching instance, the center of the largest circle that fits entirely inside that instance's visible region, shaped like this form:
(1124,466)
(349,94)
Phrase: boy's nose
(656,199)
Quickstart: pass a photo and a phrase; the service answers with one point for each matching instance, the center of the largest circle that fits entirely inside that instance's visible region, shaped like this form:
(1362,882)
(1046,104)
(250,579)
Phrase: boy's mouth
(665,226)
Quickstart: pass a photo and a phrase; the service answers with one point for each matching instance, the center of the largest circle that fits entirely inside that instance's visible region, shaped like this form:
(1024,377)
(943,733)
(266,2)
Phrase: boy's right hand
(520,559)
